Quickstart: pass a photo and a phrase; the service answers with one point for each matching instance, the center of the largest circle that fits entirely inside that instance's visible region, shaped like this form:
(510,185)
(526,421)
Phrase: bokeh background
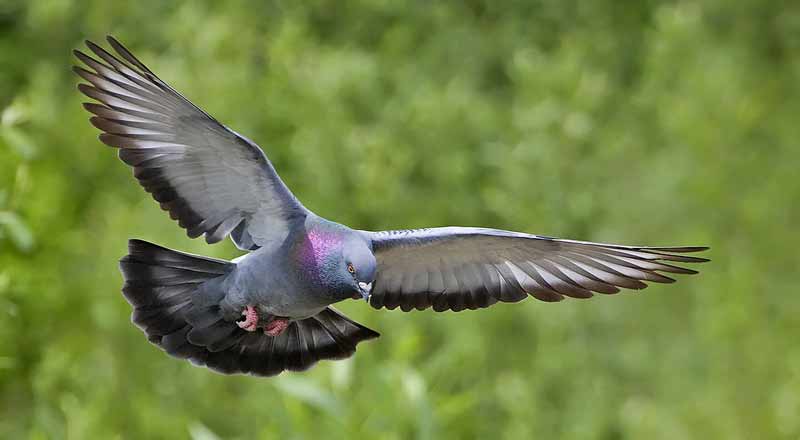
(638,122)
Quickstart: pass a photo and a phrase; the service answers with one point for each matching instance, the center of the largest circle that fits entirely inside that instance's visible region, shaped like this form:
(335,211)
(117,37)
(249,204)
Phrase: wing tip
(686,271)
(683,249)
(118,47)
(109,139)
(685,258)
(86,89)
(80,71)
(96,121)
(94,47)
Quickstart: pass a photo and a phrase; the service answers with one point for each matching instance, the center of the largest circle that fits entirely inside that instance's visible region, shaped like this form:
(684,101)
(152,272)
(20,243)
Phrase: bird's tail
(175,299)
(163,286)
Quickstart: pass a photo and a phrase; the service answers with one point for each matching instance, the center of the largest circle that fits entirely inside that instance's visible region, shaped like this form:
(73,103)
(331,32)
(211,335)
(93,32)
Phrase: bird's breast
(278,283)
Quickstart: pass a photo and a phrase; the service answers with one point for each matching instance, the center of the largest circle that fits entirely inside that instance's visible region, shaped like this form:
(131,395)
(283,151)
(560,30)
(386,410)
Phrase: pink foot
(276,326)
(250,322)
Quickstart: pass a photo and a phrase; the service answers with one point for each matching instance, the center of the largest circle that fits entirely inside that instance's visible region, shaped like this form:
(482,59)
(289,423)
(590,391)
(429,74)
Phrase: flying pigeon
(270,310)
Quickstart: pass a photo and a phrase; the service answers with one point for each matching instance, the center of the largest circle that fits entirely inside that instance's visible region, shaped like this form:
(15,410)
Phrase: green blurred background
(638,122)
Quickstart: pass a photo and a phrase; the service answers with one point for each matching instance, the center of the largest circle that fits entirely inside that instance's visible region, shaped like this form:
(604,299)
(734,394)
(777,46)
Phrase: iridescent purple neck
(314,252)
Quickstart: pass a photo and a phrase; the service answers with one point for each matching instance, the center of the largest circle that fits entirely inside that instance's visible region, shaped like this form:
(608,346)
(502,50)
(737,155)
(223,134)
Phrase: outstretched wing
(456,268)
(211,179)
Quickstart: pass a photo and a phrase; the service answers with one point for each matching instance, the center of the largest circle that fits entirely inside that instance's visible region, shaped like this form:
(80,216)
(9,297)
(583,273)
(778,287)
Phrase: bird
(271,309)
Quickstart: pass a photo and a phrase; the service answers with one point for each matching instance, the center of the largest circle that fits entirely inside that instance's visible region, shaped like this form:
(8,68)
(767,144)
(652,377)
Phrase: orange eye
(351,269)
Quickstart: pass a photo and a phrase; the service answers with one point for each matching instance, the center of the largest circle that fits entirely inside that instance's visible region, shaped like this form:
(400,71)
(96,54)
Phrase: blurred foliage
(653,122)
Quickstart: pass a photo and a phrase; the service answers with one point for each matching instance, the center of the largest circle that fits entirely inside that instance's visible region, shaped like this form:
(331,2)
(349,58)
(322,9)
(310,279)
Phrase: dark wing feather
(208,340)
(213,181)
(457,268)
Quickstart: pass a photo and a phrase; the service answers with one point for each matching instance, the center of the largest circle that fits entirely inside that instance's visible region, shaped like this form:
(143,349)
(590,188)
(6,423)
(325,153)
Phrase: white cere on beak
(365,288)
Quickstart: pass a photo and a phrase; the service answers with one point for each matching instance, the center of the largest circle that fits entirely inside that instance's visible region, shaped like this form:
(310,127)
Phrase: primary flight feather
(270,310)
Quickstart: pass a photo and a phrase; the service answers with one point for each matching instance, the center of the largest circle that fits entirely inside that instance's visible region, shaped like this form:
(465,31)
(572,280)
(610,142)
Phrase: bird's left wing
(211,179)
(456,268)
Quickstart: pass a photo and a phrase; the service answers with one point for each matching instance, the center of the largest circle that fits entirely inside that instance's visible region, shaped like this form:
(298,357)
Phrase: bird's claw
(276,326)
(250,322)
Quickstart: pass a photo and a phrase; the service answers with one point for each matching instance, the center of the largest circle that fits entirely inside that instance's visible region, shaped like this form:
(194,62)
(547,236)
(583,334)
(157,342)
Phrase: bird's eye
(350,268)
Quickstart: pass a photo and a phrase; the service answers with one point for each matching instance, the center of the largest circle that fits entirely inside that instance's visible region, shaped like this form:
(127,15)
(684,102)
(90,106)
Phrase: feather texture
(458,268)
(213,181)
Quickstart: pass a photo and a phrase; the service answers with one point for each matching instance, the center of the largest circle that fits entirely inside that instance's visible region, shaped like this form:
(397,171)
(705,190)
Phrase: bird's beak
(365,289)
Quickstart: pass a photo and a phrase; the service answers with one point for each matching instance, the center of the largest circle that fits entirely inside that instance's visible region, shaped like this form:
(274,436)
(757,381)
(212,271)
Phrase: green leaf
(19,141)
(307,391)
(199,431)
(17,230)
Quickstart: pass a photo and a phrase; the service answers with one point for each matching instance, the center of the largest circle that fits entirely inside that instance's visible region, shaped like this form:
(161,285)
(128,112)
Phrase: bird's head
(340,262)
(359,265)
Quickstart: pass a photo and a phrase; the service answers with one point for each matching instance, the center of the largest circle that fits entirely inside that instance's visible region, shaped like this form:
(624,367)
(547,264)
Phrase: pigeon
(270,310)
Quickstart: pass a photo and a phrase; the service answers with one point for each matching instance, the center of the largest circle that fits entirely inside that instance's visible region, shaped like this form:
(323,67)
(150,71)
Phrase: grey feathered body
(295,278)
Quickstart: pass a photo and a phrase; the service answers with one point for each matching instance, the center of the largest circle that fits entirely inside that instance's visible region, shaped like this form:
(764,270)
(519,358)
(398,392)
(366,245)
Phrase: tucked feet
(250,322)
(276,326)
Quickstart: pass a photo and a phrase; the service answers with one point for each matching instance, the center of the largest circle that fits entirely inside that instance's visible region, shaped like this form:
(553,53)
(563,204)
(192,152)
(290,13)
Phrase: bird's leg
(250,322)
(276,326)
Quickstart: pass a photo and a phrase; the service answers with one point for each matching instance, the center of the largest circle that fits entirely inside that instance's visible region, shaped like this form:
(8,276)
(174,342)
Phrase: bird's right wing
(459,268)
(211,179)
